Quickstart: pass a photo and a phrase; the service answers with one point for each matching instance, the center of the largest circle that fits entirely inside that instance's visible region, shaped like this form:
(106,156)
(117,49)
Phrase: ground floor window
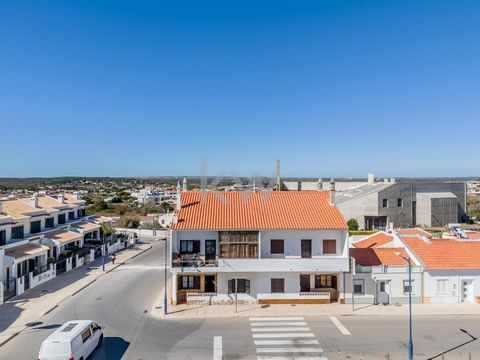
(358,285)
(325,281)
(277,285)
(406,286)
(442,286)
(243,286)
(189,283)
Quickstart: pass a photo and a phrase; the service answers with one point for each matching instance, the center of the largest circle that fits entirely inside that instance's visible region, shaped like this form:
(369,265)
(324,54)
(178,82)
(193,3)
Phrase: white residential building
(265,247)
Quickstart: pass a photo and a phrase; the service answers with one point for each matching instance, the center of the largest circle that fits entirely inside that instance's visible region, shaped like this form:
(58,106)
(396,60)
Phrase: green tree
(108,229)
(166,207)
(352,224)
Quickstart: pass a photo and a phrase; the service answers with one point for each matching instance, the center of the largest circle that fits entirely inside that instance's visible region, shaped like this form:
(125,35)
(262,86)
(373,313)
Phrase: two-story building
(265,247)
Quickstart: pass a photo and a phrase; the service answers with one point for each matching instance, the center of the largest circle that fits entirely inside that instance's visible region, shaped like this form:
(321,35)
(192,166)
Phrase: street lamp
(104,250)
(165,279)
(410,342)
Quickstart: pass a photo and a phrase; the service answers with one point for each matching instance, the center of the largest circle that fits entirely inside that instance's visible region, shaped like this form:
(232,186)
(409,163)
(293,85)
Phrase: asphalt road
(122,299)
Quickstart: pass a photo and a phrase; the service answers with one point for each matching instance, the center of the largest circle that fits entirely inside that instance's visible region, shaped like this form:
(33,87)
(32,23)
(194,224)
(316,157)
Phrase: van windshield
(55,348)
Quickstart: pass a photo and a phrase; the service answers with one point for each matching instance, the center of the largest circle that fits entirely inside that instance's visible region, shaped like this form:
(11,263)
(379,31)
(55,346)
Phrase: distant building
(380,204)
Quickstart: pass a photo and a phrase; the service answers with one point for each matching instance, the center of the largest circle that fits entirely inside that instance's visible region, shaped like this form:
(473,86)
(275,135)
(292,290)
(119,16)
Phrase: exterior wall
(359,208)
(194,235)
(454,287)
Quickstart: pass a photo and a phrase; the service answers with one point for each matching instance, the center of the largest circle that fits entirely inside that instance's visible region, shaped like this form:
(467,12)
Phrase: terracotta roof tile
(415,231)
(438,254)
(258,210)
(375,240)
(379,256)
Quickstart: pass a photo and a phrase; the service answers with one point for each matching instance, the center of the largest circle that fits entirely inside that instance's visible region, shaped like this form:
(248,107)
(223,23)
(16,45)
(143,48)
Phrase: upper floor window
(399,202)
(35,227)
(276,246)
(17,232)
(3,237)
(238,244)
(71,215)
(61,218)
(190,246)
(329,246)
(49,223)
(384,203)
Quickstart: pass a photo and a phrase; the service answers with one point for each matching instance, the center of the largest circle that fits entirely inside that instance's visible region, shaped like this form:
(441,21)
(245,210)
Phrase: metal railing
(40,270)
(190,261)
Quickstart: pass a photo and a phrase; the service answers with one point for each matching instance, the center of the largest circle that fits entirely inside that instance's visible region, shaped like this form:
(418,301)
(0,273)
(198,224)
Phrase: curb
(73,294)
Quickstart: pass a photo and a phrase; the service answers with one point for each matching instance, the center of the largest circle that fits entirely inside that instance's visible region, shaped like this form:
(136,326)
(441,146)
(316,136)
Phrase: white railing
(324,295)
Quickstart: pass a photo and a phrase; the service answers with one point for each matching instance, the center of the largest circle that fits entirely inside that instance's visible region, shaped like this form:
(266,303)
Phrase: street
(122,299)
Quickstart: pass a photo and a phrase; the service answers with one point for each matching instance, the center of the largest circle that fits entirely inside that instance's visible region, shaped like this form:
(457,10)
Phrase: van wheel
(100,341)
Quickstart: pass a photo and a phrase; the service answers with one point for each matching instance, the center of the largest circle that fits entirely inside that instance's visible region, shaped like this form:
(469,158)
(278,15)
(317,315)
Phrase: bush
(352,225)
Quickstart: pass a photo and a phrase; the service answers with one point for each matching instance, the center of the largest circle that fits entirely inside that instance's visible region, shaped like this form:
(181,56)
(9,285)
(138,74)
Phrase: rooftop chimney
(34,200)
(371,178)
(60,198)
(332,191)
(179,197)
(184,184)
(277,182)
(76,195)
(320,184)
(1,207)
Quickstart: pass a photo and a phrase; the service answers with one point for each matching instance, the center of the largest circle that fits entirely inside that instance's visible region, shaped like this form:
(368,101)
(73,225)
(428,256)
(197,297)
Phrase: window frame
(189,282)
(400,202)
(327,241)
(407,284)
(278,289)
(195,245)
(385,203)
(52,219)
(3,237)
(277,241)
(63,217)
(446,282)
(360,282)
(243,286)
(15,228)
(38,224)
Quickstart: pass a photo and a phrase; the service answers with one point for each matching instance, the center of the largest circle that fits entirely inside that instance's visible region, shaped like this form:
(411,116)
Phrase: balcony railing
(40,270)
(192,260)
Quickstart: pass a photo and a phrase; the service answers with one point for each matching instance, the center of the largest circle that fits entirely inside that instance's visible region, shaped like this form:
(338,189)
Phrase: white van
(74,340)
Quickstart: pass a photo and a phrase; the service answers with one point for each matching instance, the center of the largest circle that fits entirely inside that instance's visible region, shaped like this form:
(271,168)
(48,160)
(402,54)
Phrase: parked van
(74,340)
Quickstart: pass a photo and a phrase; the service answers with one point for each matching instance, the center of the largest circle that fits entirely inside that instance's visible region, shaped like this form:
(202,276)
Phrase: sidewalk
(39,301)
(222,311)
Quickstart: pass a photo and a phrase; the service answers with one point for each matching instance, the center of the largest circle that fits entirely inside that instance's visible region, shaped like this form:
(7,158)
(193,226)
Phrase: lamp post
(165,279)
(410,342)
(104,250)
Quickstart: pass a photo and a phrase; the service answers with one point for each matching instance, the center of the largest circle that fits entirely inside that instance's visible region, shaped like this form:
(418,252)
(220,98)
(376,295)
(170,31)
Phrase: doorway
(306,248)
(304,283)
(383,292)
(210,249)
(210,284)
(467,290)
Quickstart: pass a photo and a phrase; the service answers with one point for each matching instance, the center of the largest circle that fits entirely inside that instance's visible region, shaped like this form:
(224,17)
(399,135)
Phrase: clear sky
(148,88)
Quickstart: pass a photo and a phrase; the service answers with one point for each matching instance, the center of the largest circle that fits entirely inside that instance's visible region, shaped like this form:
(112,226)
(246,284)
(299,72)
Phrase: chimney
(34,200)
(277,183)
(60,198)
(385,181)
(320,184)
(332,191)
(299,185)
(184,184)
(371,178)
(76,195)
(392,180)
(1,207)
(179,197)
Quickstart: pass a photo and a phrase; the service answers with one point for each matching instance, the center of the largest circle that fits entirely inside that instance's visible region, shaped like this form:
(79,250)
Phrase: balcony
(185,263)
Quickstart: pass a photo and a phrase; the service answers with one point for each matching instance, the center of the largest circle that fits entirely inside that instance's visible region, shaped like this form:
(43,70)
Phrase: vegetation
(362,232)
(352,224)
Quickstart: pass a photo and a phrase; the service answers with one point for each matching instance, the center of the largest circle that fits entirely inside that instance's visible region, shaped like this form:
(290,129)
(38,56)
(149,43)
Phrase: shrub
(352,225)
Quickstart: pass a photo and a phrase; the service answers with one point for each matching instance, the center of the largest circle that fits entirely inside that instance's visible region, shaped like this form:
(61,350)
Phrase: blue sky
(148,88)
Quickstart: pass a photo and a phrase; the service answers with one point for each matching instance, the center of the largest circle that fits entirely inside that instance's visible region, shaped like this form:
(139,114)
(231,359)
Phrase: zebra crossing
(284,338)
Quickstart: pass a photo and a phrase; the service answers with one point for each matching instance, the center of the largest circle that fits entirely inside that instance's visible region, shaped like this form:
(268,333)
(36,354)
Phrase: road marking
(287,335)
(266,318)
(279,323)
(339,325)
(299,357)
(286,342)
(217,348)
(290,350)
(281,329)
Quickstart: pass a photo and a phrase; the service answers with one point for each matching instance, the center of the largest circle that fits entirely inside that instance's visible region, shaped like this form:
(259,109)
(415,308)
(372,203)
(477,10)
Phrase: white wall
(454,285)
(195,235)
(260,282)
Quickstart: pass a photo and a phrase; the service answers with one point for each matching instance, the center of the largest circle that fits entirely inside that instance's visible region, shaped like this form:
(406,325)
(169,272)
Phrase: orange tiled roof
(379,256)
(414,231)
(442,254)
(375,240)
(86,226)
(258,210)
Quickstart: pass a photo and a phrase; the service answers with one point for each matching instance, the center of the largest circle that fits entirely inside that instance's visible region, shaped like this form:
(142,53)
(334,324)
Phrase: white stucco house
(265,247)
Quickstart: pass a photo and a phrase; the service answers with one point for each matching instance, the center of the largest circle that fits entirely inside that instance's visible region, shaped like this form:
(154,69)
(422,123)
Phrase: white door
(467,290)
(384,292)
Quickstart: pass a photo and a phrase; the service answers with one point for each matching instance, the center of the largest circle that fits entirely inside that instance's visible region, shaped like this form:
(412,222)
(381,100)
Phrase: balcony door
(210,249)
(306,248)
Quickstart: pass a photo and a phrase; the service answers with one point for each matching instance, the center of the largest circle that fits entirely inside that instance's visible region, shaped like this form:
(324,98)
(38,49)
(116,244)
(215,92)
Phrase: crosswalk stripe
(269,318)
(339,325)
(279,323)
(298,328)
(296,357)
(287,335)
(290,350)
(286,342)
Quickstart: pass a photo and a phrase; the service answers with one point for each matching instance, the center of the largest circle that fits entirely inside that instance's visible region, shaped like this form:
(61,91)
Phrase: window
(189,283)
(385,203)
(276,246)
(243,286)
(86,334)
(49,223)
(71,215)
(382,286)
(35,227)
(238,244)
(406,286)
(400,202)
(277,285)
(3,237)
(442,286)
(189,246)
(329,246)
(61,218)
(17,232)
(358,286)
(325,281)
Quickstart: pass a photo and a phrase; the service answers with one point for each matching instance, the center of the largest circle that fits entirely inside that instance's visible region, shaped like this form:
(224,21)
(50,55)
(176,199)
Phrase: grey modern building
(378,204)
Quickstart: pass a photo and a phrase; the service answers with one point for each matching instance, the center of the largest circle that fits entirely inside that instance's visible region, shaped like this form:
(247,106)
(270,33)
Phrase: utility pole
(165,310)
(410,341)
(236,299)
